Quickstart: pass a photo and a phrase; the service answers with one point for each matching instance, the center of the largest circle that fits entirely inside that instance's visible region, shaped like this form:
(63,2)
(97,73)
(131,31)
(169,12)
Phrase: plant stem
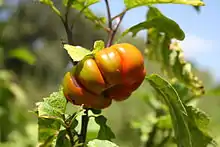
(164,141)
(69,132)
(152,134)
(84,126)
(120,14)
(113,32)
(109,14)
(150,141)
(68,129)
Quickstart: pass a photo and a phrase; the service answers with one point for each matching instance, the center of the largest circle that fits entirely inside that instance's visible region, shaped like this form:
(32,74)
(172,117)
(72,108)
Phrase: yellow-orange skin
(112,74)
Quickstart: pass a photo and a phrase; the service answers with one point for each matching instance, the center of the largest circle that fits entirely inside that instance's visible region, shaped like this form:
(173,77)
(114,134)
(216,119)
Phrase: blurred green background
(33,62)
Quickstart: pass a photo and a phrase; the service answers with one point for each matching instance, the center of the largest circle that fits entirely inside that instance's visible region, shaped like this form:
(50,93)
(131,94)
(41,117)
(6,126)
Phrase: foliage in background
(30,66)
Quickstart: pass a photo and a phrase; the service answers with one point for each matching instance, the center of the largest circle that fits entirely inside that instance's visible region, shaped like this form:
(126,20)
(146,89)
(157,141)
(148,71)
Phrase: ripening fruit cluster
(111,74)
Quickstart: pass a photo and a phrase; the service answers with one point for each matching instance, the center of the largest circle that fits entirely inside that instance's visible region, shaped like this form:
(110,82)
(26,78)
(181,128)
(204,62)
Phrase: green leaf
(83,7)
(190,124)
(48,129)
(197,8)
(47,2)
(98,45)
(170,56)
(137,3)
(176,107)
(161,23)
(50,117)
(185,93)
(164,122)
(52,6)
(101,143)
(53,106)
(23,54)
(77,53)
(105,132)
(198,125)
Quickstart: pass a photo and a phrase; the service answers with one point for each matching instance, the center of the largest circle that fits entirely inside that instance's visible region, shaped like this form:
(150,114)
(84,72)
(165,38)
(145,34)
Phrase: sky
(202,42)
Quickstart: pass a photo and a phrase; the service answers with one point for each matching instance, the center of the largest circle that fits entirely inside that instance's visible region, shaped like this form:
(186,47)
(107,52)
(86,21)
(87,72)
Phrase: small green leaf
(54,105)
(105,132)
(162,23)
(101,143)
(98,45)
(50,117)
(176,107)
(137,3)
(52,6)
(77,53)
(23,54)
(47,2)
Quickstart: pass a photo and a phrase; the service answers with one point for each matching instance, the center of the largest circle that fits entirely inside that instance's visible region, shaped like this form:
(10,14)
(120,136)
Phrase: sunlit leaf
(52,6)
(50,117)
(164,122)
(47,2)
(77,53)
(105,132)
(98,45)
(22,54)
(197,8)
(162,23)
(101,143)
(190,125)
(176,107)
(137,3)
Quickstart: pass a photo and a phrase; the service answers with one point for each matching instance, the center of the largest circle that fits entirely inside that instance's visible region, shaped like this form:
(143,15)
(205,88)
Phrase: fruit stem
(84,126)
